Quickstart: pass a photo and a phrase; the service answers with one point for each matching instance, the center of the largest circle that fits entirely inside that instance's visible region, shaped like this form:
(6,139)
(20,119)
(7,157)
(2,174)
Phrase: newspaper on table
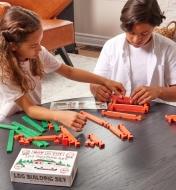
(46,167)
(87,104)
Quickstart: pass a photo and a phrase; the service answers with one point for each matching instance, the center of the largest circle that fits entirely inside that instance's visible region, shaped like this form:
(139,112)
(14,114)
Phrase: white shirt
(139,58)
(114,62)
(9,93)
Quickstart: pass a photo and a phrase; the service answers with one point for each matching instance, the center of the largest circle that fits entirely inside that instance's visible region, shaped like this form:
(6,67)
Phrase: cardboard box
(46,167)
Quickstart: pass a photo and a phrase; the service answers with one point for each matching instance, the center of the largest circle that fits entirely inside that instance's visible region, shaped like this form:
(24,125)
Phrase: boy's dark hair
(140,11)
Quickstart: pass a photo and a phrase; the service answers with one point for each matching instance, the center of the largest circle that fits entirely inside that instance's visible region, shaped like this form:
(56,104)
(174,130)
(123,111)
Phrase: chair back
(45,8)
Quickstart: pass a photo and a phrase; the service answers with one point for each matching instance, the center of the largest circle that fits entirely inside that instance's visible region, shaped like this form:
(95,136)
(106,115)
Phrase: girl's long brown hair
(15,26)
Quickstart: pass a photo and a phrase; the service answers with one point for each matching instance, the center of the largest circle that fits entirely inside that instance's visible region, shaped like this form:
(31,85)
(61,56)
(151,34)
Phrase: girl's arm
(71,119)
(88,77)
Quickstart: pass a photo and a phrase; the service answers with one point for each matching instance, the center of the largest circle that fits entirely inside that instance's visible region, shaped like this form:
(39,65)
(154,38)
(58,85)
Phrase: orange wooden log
(57,139)
(170,118)
(95,119)
(110,107)
(18,137)
(117,132)
(50,126)
(71,138)
(24,141)
(128,108)
(44,138)
(113,114)
(65,141)
(97,141)
(120,100)
(125,130)
(89,143)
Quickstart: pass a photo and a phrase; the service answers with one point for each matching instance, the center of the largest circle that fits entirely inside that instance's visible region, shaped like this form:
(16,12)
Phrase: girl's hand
(115,87)
(145,94)
(101,93)
(72,119)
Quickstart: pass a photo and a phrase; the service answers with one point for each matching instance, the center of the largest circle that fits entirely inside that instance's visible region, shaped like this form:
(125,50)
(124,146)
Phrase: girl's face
(141,33)
(31,47)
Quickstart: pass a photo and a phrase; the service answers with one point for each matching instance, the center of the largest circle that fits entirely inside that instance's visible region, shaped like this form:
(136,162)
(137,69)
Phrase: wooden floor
(89,51)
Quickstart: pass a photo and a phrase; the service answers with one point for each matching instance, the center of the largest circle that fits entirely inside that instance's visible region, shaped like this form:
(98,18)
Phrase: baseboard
(90,39)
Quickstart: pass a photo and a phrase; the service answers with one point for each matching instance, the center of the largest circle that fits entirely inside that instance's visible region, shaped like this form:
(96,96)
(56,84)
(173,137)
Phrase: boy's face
(141,33)
(31,47)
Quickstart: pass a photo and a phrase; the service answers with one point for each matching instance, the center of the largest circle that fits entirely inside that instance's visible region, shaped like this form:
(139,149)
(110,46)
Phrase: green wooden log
(10,141)
(33,123)
(56,126)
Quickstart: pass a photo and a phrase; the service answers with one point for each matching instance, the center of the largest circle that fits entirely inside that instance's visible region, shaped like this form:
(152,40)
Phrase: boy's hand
(72,119)
(144,94)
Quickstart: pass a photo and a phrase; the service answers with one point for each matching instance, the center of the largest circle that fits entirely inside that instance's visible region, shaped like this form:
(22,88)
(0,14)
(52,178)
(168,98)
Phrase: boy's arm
(168,93)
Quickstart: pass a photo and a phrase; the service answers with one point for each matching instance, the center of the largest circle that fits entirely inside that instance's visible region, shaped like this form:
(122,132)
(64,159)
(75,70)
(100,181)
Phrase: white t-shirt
(139,58)
(114,63)
(9,94)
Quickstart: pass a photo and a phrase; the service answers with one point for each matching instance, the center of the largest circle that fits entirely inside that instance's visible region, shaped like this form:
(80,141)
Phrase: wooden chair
(58,33)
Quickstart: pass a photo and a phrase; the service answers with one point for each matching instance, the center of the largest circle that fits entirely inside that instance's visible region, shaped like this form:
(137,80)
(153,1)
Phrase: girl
(23,62)
(143,61)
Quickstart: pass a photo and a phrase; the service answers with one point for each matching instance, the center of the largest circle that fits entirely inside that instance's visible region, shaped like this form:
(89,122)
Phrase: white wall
(98,20)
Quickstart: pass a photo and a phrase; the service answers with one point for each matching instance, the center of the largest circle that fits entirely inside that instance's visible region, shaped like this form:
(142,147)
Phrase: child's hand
(100,92)
(103,93)
(144,94)
(115,87)
(72,119)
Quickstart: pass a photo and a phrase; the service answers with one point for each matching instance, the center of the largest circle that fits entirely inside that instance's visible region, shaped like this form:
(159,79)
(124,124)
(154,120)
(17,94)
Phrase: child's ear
(13,46)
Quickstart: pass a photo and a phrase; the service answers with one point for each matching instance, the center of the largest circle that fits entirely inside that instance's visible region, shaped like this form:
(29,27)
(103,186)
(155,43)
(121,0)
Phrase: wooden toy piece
(110,107)
(24,141)
(115,99)
(10,141)
(128,108)
(118,132)
(125,131)
(44,138)
(65,141)
(50,126)
(113,114)
(89,143)
(33,123)
(18,137)
(58,139)
(44,124)
(25,129)
(27,132)
(170,118)
(97,141)
(71,138)
(95,119)
(8,126)
(56,126)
